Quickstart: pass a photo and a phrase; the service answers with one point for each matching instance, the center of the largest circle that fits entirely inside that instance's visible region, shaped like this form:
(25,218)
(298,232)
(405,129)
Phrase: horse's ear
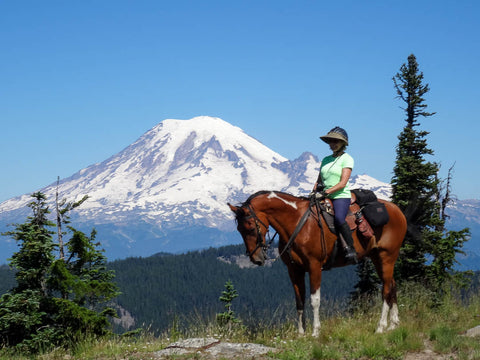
(238,210)
(233,208)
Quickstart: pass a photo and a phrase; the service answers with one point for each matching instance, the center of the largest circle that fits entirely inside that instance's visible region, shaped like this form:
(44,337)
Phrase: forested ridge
(164,289)
(161,289)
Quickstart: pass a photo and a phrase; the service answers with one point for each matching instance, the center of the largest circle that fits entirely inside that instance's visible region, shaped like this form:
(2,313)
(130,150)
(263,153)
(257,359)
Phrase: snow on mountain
(168,190)
(174,180)
(198,163)
(381,189)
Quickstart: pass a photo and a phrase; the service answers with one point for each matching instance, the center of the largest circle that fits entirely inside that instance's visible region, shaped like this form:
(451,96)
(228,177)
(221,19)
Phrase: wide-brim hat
(336,133)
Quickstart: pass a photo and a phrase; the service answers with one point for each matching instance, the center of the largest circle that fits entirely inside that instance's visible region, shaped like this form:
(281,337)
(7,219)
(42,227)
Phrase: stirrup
(350,256)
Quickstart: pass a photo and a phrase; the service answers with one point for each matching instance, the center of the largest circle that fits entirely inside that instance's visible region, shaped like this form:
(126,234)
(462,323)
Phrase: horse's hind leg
(384,267)
(389,308)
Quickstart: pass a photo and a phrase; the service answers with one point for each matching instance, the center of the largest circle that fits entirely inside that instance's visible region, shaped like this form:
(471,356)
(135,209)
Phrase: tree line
(185,288)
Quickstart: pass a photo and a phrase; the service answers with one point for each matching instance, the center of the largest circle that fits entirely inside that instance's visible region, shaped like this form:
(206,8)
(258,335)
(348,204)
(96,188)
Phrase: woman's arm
(346,172)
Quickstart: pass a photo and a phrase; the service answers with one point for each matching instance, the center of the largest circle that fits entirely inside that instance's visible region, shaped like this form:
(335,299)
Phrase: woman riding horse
(332,182)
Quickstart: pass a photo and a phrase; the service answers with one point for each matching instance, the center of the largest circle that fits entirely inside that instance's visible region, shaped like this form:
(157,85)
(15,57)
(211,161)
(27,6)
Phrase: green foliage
(55,302)
(228,295)
(444,252)
(415,183)
(35,255)
(20,313)
(368,284)
(424,327)
(444,336)
(416,189)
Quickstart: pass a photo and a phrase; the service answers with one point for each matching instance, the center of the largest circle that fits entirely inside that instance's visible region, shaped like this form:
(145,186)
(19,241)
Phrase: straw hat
(336,133)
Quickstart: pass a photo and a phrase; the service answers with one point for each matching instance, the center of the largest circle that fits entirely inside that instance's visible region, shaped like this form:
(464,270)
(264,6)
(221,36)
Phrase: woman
(332,182)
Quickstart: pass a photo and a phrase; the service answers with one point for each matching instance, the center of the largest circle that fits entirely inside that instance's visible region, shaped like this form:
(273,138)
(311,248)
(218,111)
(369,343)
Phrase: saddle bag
(376,213)
(364,196)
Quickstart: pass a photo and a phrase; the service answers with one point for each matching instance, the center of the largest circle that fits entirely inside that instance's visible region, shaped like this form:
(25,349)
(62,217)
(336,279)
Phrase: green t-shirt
(331,172)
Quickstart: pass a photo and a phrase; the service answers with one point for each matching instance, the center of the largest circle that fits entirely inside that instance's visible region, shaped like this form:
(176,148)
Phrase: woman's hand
(346,172)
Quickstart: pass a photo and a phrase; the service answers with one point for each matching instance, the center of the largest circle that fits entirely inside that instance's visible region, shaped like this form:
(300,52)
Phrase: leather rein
(266,245)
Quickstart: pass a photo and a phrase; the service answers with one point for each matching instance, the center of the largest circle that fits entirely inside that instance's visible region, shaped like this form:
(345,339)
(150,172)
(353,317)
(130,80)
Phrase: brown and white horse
(313,245)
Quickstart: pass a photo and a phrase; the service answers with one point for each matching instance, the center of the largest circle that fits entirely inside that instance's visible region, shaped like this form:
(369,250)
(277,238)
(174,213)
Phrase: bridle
(260,243)
(266,245)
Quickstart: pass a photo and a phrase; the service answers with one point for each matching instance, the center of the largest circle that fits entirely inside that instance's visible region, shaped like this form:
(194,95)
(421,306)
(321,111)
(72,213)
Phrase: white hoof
(380,330)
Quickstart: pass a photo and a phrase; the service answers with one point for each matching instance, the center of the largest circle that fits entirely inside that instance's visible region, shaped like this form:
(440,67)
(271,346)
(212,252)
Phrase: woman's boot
(350,253)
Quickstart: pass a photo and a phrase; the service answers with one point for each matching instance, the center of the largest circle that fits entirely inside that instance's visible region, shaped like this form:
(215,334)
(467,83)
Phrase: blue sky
(81,80)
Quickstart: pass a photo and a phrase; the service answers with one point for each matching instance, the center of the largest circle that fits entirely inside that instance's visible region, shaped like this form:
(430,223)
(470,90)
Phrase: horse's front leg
(297,277)
(315,281)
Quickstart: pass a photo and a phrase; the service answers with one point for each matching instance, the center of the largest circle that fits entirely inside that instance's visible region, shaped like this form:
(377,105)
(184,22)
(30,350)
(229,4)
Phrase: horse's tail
(413,212)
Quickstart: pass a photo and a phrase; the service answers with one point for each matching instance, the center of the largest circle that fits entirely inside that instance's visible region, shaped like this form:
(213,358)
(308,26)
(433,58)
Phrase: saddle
(355,219)
(365,210)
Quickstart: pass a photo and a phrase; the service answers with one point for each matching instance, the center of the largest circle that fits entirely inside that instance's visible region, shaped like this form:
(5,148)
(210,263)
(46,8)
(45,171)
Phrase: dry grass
(430,329)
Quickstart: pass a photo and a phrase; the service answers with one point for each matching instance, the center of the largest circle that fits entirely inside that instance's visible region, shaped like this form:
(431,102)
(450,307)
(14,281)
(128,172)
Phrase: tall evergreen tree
(415,183)
(416,189)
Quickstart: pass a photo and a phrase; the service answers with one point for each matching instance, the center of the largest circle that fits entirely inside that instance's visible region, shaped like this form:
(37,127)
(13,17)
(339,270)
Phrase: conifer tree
(414,183)
(416,189)
(228,295)
(22,311)
(57,301)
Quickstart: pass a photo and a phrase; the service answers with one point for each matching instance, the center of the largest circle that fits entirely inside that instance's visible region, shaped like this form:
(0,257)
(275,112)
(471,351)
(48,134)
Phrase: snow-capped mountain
(168,190)
(180,172)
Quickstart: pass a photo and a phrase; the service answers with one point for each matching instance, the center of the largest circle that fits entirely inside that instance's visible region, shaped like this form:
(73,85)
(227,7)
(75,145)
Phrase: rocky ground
(211,348)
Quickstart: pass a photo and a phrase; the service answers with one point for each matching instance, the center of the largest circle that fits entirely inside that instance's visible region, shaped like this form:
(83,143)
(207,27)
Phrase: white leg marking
(301,322)
(315,300)
(394,319)
(293,204)
(383,319)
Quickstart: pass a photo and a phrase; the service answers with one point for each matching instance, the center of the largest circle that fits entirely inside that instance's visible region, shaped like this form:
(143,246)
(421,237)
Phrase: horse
(306,249)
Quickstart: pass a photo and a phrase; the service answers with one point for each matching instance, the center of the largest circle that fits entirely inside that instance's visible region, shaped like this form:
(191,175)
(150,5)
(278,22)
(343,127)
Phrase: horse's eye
(247,227)
(250,231)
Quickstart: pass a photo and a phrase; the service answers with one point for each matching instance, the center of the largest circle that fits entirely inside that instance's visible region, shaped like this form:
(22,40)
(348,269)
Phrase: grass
(426,322)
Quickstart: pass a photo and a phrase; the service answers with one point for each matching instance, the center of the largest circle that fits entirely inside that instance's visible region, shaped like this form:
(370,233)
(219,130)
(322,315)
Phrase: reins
(298,228)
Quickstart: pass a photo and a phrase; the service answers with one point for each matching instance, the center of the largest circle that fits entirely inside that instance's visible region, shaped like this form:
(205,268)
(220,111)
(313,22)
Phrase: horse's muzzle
(259,257)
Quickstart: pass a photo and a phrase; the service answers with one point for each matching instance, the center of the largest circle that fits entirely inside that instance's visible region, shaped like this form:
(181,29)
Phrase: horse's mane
(263,192)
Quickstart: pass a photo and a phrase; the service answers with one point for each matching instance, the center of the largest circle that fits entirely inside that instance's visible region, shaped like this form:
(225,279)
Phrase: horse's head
(253,227)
